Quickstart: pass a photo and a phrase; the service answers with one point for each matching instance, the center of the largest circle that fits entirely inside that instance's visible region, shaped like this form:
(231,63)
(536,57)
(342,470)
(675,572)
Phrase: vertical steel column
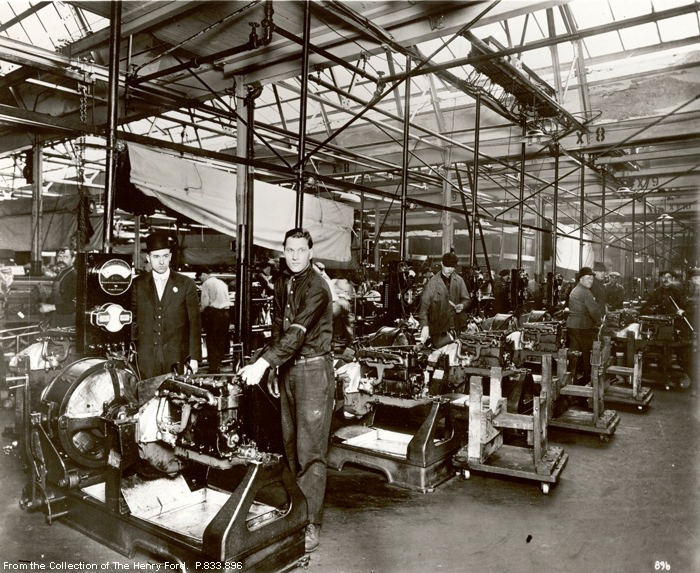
(35,266)
(475,179)
(242,204)
(670,247)
(377,254)
(247,321)
(644,246)
(521,204)
(602,222)
(634,220)
(115,31)
(663,243)
(583,220)
(405,159)
(656,247)
(299,217)
(555,211)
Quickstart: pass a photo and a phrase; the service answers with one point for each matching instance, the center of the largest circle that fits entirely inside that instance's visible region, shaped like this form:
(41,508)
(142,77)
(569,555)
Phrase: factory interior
(502,199)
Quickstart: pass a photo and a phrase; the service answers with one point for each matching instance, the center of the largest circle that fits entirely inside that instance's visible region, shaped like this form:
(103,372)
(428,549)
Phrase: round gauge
(115,277)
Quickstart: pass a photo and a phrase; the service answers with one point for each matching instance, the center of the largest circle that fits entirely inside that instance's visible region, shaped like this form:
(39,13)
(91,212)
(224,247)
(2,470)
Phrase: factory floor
(631,505)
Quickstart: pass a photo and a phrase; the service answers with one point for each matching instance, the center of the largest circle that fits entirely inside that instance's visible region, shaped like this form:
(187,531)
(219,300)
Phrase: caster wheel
(604,438)
(544,487)
(465,474)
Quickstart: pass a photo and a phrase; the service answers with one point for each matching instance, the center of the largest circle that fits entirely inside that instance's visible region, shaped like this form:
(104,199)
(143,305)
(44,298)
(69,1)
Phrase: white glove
(424,334)
(253,373)
(459,308)
(194,365)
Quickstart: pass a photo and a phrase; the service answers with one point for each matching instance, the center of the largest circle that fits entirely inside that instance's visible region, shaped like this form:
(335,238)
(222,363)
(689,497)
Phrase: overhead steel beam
(143,17)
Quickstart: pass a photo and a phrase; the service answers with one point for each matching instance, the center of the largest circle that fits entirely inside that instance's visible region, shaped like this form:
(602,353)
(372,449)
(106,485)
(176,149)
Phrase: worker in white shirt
(214,305)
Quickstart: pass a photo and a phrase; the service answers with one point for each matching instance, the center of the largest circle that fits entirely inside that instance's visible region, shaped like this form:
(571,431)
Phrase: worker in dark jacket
(585,316)
(501,293)
(61,309)
(667,299)
(614,292)
(444,298)
(598,286)
(166,323)
(301,343)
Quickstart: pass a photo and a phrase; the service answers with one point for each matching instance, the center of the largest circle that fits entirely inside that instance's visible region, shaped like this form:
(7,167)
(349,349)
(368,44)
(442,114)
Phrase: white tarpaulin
(208,195)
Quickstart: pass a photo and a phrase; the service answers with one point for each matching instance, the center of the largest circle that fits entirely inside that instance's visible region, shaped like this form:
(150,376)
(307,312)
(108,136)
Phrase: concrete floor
(624,506)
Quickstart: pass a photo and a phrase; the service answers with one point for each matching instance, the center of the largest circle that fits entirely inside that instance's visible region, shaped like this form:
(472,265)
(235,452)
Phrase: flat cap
(157,241)
(614,274)
(669,271)
(504,273)
(450,260)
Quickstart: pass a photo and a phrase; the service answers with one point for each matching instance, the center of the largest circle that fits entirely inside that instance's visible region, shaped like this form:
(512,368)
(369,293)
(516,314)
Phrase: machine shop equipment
(539,341)
(663,340)
(164,465)
(391,422)
(170,465)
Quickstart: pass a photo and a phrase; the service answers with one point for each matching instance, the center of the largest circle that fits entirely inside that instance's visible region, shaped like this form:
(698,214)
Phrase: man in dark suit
(166,324)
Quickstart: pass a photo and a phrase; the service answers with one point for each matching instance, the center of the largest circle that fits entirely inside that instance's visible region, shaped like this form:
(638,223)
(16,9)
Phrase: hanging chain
(81,140)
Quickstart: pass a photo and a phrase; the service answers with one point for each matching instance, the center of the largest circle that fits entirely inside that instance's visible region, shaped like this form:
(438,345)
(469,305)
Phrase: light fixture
(536,136)
(624,191)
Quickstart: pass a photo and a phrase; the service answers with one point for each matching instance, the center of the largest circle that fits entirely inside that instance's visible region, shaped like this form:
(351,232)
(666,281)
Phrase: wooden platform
(584,421)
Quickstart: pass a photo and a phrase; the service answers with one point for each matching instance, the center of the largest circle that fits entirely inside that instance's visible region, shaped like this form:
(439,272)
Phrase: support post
(115,30)
(404,172)
(475,179)
(37,210)
(521,204)
(242,203)
(299,216)
(582,217)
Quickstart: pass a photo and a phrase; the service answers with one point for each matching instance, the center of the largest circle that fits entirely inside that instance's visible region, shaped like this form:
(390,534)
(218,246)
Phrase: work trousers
(582,339)
(306,401)
(215,322)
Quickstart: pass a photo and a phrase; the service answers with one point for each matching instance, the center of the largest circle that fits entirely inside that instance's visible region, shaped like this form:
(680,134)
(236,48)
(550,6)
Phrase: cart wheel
(465,474)
(605,438)
(545,487)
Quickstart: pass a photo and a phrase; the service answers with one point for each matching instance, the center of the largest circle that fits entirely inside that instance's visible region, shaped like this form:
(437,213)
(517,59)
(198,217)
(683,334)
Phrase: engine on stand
(168,465)
(391,421)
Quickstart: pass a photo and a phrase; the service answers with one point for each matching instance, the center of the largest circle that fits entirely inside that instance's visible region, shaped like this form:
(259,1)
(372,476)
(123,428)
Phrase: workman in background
(598,286)
(585,316)
(501,293)
(444,298)
(214,306)
(166,325)
(301,349)
(61,308)
(614,292)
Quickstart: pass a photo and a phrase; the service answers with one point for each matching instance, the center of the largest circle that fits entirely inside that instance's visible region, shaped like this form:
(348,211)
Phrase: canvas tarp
(208,195)
(59,224)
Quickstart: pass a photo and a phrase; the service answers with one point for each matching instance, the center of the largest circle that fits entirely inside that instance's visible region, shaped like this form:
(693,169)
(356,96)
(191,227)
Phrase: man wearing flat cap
(614,292)
(598,286)
(166,324)
(585,316)
(444,299)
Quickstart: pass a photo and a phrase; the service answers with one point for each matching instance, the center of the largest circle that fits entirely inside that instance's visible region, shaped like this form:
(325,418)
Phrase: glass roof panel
(640,36)
(678,28)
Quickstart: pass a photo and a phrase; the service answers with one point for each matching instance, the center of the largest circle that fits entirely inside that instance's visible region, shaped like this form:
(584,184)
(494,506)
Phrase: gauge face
(115,277)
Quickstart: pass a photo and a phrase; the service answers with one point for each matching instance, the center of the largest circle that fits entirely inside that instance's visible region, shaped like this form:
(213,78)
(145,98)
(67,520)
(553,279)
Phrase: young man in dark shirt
(301,342)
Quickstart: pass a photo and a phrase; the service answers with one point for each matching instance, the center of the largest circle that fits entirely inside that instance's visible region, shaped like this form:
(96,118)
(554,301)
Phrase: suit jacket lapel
(168,293)
(151,290)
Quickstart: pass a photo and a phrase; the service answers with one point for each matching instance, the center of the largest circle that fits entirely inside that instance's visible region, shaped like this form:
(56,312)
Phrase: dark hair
(66,248)
(298,233)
